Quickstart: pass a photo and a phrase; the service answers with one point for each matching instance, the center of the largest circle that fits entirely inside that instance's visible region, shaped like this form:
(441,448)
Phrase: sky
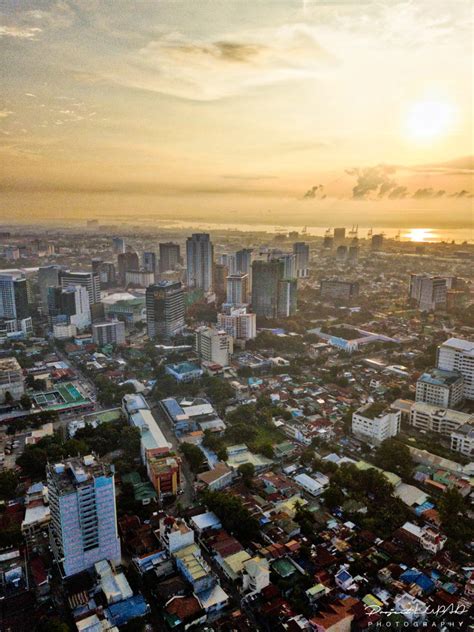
(310,111)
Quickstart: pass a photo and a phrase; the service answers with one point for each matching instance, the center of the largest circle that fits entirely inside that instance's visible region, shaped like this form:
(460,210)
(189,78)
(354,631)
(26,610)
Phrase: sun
(420,235)
(428,120)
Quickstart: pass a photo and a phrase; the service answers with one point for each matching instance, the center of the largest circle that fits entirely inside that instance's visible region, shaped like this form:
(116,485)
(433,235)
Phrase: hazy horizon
(306,113)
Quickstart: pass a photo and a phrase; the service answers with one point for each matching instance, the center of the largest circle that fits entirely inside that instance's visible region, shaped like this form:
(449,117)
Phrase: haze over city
(255,112)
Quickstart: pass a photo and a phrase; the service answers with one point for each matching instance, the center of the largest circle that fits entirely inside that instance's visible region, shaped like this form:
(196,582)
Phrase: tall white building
(430,292)
(83,528)
(75,300)
(440,388)
(462,440)
(213,345)
(374,424)
(238,324)
(238,288)
(457,354)
(200,260)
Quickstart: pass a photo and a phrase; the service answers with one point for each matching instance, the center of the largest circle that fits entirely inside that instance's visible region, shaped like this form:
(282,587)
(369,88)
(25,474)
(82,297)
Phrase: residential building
(170,256)
(83,528)
(184,371)
(199,261)
(213,345)
(457,354)
(11,379)
(238,288)
(109,332)
(374,423)
(462,439)
(337,289)
(436,419)
(164,473)
(440,388)
(175,534)
(218,478)
(301,252)
(165,309)
(89,280)
(256,575)
(239,324)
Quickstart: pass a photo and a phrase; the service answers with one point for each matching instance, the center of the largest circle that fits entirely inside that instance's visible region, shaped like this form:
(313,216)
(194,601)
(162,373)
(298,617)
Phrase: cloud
(206,70)
(19,32)
(315,191)
(372,180)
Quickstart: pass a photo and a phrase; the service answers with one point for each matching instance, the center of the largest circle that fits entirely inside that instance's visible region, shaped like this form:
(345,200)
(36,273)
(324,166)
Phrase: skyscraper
(301,251)
(430,292)
(83,526)
(266,276)
(237,288)
(287,289)
(220,274)
(149,262)
(48,276)
(213,345)
(13,297)
(199,261)
(127,262)
(118,245)
(243,260)
(170,256)
(165,309)
(89,280)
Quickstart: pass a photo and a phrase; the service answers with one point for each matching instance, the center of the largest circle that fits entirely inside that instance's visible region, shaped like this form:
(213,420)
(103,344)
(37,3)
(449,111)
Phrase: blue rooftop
(123,611)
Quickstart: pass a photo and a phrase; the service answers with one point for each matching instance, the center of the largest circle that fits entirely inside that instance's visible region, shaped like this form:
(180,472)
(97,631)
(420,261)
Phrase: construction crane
(328,232)
(397,236)
(354,231)
(304,231)
(369,233)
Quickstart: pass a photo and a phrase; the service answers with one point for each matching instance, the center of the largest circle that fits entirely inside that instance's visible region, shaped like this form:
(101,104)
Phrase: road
(187,497)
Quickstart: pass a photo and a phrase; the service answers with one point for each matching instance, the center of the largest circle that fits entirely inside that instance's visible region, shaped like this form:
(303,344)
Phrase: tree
(247,471)
(234,517)
(266,449)
(455,520)
(394,456)
(8,398)
(25,401)
(194,456)
(8,484)
(333,497)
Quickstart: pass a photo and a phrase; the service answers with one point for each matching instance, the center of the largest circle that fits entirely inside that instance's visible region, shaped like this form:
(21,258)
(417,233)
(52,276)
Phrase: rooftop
(440,377)
(76,471)
(459,344)
(9,364)
(374,410)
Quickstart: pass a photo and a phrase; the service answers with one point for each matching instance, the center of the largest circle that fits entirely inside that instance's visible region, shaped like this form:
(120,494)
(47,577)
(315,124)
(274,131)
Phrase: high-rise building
(337,289)
(165,309)
(48,276)
(339,235)
(107,274)
(213,345)
(13,297)
(237,288)
(287,298)
(109,332)
(70,304)
(266,277)
(220,281)
(243,261)
(301,251)
(127,262)
(199,261)
(83,528)
(341,254)
(377,242)
(239,324)
(118,245)
(353,254)
(149,262)
(89,280)
(457,354)
(170,256)
(229,261)
(430,292)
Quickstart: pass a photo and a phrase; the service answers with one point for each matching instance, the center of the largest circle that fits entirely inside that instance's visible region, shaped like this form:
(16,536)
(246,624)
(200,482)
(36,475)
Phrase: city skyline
(320,111)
